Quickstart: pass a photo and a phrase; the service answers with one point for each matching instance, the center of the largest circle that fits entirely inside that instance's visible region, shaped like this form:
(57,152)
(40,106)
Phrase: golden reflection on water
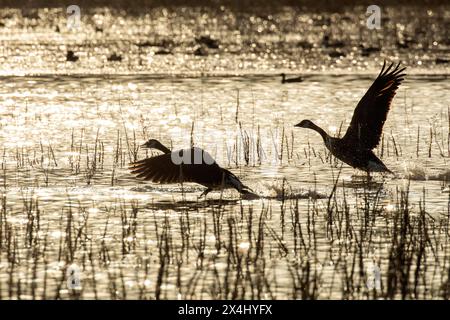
(67,140)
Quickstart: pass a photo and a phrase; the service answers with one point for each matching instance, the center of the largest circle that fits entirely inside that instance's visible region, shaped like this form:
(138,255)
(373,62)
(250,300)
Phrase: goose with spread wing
(187,165)
(364,132)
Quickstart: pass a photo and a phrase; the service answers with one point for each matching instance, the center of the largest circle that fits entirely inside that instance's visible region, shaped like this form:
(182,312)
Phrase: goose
(114,57)
(364,132)
(290,80)
(368,50)
(328,43)
(187,165)
(70,56)
(208,41)
(200,51)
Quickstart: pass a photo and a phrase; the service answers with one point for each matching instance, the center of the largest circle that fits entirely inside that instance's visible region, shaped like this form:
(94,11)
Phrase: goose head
(310,125)
(306,124)
(155,144)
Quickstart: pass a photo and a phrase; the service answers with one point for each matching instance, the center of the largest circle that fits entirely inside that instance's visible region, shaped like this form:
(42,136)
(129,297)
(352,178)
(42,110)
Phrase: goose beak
(304,124)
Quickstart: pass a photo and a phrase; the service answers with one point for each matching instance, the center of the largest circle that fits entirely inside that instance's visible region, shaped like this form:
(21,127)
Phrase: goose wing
(188,165)
(371,112)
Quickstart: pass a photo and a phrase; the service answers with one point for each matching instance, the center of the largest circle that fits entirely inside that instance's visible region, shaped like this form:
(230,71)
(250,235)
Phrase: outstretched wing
(175,168)
(371,112)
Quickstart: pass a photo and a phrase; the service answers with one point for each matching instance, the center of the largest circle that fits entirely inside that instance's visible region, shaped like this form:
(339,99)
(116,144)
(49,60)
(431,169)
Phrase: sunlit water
(67,140)
(45,120)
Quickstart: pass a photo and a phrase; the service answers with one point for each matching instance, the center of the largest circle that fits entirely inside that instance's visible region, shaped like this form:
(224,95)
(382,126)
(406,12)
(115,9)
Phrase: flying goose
(364,132)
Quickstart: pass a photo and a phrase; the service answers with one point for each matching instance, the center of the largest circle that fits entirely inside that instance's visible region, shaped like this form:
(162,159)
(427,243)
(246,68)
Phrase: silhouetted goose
(367,51)
(200,51)
(336,54)
(163,52)
(364,132)
(114,57)
(328,43)
(187,165)
(441,60)
(304,44)
(70,56)
(208,41)
(290,80)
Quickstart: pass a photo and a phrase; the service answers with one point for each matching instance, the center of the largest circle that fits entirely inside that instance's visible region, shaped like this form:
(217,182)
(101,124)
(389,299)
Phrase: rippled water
(60,114)
(49,128)
(69,198)
(258,40)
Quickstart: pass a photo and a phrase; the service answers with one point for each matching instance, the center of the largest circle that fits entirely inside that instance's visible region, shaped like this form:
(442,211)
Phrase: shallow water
(257,40)
(45,119)
(49,128)
(69,198)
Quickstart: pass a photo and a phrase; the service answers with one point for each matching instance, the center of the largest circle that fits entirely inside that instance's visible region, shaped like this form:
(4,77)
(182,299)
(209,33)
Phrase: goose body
(364,133)
(70,56)
(328,43)
(290,80)
(186,165)
(208,41)
(359,158)
(114,57)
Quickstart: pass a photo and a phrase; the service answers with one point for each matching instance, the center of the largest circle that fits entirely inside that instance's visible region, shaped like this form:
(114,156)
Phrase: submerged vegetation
(79,209)
(228,249)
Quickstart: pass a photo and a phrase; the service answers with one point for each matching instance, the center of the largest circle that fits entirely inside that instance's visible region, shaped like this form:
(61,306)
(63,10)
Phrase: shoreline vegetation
(318,251)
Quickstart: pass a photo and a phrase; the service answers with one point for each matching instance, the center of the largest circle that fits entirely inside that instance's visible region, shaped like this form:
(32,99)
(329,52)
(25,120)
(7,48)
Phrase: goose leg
(204,193)
(369,178)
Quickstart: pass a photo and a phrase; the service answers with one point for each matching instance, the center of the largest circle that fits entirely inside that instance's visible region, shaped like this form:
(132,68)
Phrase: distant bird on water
(70,56)
(290,80)
(187,165)
(368,50)
(114,57)
(208,41)
(364,132)
(328,43)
